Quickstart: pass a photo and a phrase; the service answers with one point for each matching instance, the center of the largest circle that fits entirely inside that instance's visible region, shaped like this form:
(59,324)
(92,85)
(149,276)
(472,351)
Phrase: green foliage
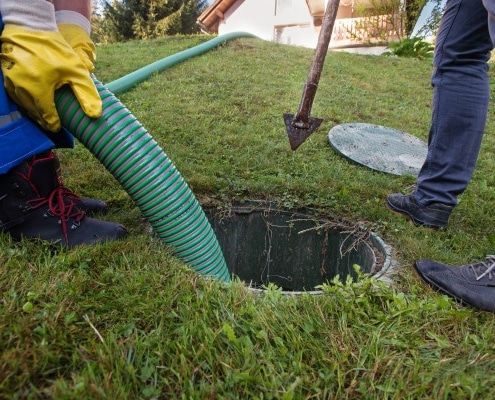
(386,20)
(144,19)
(379,18)
(430,26)
(412,48)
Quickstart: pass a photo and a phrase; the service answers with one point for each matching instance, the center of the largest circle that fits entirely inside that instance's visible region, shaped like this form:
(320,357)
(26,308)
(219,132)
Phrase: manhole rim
(385,274)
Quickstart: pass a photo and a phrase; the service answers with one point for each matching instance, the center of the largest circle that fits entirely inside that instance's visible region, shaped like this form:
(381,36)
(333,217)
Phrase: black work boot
(472,284)
(86,204)
(433,216)
(34,204)
(90,206)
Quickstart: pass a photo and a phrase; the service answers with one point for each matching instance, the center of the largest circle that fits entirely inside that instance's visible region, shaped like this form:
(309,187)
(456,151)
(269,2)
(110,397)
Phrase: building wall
(262,17)
(293,24)
(288,21)
(253,16)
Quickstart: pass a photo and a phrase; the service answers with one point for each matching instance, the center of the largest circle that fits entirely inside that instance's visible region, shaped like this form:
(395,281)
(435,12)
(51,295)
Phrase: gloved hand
(36,60)
(75,29)
(81,43)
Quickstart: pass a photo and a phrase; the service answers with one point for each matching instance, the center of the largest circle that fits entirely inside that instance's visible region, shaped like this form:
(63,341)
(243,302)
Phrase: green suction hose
(138,163)
(131,155)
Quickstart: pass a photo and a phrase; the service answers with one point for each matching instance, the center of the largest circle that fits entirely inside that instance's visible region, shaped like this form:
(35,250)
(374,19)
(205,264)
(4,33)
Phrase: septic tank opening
(295,250)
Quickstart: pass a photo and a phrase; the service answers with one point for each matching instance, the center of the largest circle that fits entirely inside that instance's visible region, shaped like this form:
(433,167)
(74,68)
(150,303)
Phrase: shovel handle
(301,119)
(323,41)
(309,93)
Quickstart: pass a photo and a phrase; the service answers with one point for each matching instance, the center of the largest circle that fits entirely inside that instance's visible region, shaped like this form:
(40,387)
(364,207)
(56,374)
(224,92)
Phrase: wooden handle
(301,119)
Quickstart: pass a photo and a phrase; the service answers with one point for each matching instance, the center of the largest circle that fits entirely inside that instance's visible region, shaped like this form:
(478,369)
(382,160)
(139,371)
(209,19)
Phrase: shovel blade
(297,135)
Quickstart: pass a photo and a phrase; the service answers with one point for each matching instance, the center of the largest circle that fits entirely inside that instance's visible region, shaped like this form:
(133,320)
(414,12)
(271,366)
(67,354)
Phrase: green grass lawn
(129,320)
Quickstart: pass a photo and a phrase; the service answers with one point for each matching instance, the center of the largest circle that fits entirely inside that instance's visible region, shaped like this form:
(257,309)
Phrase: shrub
(414,47)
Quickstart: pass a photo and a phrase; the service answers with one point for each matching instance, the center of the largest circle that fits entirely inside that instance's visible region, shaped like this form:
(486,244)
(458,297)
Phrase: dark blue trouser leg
(460,101)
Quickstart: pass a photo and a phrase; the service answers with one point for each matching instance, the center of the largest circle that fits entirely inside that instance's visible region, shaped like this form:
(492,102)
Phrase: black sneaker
(472,284)
(433,216)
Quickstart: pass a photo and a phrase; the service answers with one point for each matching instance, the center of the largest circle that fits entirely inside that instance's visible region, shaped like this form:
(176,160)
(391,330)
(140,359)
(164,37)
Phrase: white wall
(253,16)
(258,17)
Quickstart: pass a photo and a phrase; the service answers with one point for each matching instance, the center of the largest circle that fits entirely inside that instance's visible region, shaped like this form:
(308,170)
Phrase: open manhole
(294,250)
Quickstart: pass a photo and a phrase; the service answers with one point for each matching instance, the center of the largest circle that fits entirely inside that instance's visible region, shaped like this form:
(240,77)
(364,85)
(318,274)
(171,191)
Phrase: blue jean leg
(460,101)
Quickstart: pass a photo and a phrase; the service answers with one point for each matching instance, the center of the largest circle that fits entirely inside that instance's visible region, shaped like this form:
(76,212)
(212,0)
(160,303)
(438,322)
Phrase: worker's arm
(36,60)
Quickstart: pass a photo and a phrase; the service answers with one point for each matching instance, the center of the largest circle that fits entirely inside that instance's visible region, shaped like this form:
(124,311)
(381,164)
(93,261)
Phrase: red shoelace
(61,205)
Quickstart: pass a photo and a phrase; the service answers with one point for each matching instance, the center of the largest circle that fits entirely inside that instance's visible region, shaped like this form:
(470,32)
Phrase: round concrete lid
(379,148)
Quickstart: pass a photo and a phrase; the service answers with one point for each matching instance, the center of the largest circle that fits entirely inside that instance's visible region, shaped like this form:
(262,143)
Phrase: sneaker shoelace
(489,264)
(61,205)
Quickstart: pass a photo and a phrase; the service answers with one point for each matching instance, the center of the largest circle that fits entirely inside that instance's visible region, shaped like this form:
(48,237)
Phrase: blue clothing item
(20,137)
(460,100)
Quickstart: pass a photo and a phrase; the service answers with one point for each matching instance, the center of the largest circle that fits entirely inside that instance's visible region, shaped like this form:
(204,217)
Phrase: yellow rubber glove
(37,63)
(80,42)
